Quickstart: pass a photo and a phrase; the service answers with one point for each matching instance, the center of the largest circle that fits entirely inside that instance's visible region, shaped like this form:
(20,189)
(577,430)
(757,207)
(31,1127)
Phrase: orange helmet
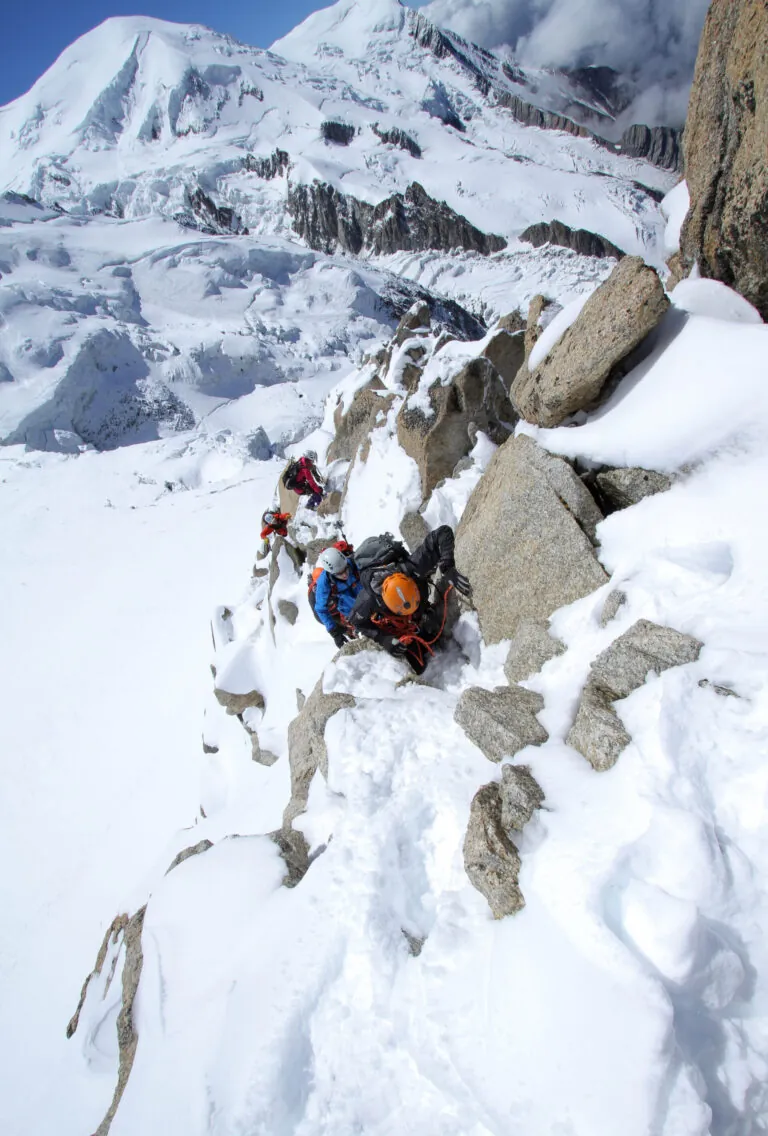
(401,594)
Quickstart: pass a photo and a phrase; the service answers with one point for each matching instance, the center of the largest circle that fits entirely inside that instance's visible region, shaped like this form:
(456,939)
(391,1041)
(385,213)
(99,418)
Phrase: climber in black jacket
(394,607)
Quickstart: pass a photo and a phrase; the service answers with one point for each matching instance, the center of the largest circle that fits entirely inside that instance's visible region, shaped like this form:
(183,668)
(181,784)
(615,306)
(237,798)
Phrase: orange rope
(400,628)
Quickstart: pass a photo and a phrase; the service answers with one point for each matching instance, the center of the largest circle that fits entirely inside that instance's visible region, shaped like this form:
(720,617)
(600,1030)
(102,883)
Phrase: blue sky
(36,32)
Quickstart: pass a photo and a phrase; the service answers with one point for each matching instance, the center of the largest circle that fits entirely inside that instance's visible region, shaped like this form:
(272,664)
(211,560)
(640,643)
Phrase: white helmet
(332,561)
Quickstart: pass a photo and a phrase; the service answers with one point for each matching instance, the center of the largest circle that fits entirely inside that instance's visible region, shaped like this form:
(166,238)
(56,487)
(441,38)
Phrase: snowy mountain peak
(349,26)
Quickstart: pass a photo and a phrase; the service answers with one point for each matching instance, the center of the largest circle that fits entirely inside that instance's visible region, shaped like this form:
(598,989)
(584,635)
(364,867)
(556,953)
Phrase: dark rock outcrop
(340,133)
(620,488)
(501,722)
(275,165)
(491,859)
(208,217)
(622,667)
(580,240)
(327,219)
(295,852)
(526,539)
(660,145)
(726,158)
(436,442)
(576,374)
(397,137)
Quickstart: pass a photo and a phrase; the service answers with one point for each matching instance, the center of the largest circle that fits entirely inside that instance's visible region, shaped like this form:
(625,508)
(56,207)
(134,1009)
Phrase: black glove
(339,637)
(393,645)
(460,582)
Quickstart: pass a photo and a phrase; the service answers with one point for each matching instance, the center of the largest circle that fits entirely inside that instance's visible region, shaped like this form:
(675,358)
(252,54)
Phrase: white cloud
(654,41)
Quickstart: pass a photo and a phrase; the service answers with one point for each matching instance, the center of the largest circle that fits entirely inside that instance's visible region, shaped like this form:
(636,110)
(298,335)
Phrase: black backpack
(289,477)
(379,551)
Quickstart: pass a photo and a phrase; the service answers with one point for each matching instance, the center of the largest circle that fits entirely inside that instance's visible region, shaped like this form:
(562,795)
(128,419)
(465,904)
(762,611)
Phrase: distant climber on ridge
(333,589)
(272,522)
(302,477)
(395,607)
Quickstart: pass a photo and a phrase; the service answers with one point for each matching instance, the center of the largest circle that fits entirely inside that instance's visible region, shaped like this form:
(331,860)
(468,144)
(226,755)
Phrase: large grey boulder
(726,158)
(621,488)
(525,539)
(307,751)
(368,408)
(520,794)
(622,667)
(644,647)
(576,373)
(294,850)
(501,722)
(491,859)
(416,321)
(598,733)
(413,530)
(507,353)
(474,400)
(532,646)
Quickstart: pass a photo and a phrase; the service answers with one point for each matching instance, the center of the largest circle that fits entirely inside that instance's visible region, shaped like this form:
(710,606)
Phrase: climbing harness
(406,630)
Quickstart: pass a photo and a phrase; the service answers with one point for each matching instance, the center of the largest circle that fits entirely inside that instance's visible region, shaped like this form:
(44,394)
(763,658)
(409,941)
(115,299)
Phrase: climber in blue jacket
(336,587)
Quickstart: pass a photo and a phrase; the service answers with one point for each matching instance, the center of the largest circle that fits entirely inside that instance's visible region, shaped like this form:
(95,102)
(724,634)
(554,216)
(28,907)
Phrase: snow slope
(631,993)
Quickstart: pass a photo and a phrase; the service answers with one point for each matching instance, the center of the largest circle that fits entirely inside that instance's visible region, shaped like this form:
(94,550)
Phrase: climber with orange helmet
(395,607)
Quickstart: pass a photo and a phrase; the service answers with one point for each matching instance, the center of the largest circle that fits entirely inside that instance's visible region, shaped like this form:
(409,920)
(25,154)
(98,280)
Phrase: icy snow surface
(630,995)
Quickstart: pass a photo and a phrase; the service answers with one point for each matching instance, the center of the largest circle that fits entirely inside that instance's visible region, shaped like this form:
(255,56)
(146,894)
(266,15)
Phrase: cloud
(653,41)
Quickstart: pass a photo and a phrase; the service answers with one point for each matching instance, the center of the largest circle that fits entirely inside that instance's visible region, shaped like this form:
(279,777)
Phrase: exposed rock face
(415,321)
(536,309)
(306,745)
(660,145)
(524,539)
(237,703)
(624,487)
(328,220)
(491,860)
(521,795)
(598,733)
(476,395)
(340,133)
(368,406)
(532,646)
(127,1037)
(501,722)
(288,610)
(399,138)
(645,647)
(186,853)
(580,240)
(576,373)
(726,159)
(413,529)
(512,322)
(530,115)
(204,214)
(295,852)
(614,603)
(275,165)
(507,353)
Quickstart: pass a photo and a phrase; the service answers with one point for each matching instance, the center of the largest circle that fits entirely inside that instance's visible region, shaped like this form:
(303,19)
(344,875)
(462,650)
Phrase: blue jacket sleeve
(323,602)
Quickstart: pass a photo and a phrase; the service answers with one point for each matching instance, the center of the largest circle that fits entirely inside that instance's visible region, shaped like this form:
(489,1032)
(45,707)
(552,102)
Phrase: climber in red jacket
(302,477)
(272,522)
